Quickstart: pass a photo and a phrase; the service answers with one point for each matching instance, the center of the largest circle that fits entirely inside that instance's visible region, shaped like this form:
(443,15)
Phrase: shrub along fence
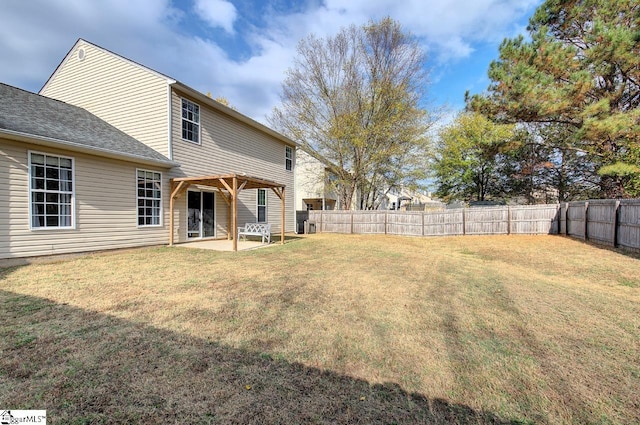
(610,222)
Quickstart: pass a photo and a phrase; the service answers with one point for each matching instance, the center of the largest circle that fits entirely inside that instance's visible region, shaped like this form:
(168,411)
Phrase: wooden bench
(256,229)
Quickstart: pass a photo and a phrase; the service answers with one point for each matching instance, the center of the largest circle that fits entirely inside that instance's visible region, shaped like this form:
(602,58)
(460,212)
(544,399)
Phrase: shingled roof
(43,119)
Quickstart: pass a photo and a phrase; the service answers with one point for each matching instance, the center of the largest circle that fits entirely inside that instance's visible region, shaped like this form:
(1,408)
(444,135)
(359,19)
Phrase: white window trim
(199,142)
(266,206)
(146,226)
(73,193)
(288,148)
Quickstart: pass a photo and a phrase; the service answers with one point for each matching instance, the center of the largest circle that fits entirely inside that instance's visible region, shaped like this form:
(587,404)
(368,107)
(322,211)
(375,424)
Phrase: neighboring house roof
(184,88)
(25,115)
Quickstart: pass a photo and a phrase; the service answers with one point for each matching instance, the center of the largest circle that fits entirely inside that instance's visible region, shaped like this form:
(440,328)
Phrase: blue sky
(240,49)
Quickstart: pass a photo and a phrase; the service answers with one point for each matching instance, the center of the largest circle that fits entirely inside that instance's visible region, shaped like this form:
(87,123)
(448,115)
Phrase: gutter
(170,120)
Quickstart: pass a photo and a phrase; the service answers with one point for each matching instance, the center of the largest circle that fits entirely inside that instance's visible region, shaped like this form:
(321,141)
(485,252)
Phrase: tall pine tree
(580,70)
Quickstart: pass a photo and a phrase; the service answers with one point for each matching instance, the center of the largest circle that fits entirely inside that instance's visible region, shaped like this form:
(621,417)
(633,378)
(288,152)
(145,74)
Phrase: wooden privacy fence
(607,221)
(533,219)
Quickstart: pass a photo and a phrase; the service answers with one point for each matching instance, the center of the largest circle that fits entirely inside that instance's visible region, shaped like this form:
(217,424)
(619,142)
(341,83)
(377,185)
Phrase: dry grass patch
(329,329)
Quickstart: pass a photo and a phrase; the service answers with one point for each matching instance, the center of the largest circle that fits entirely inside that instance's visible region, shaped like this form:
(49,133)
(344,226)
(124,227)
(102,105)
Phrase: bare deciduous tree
(354,100)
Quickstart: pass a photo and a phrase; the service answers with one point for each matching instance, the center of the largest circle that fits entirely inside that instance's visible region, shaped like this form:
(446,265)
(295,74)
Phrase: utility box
(309,227)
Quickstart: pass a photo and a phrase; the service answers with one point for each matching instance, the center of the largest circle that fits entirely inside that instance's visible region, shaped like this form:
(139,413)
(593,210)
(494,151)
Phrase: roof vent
(81,54)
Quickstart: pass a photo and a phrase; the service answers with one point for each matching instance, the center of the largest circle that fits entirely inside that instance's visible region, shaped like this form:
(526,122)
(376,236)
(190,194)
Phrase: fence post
(566,218)
(464,221)
(586,220)
(508,220)
(616,222)
(385,222)
(351,214)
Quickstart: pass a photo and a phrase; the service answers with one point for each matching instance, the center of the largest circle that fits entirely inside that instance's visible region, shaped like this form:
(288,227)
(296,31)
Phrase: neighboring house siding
(105,206)
(126,95)
(310,179)
(229,146)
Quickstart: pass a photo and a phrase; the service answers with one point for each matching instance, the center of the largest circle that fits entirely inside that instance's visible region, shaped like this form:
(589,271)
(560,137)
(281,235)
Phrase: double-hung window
(190,121)
(51,191)
(262,205)
(288,158)
(149,198)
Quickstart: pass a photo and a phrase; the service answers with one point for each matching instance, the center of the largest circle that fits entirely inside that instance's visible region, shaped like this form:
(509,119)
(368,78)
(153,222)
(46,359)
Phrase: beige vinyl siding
(230,146)
(105,210)
(222,215)
(124,94)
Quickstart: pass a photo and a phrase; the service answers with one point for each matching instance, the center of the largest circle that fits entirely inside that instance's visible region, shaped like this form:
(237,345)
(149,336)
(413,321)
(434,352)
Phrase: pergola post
(176,190)
(171,202)
(228,201)
(234,206)
(282,216)
(279,191)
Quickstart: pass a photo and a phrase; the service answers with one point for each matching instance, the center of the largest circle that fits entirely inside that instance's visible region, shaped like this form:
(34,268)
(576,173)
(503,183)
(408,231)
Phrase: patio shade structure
(229,186)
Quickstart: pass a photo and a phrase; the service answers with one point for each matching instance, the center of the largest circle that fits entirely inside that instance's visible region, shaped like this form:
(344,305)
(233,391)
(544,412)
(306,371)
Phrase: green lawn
(328,329)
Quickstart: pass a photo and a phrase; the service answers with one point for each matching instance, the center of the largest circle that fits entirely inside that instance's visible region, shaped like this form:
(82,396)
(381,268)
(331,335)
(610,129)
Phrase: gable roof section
(81,41)
(26,115)
(182,87)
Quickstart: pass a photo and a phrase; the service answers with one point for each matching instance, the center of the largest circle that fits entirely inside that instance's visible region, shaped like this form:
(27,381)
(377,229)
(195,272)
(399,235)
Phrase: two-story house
(216,168)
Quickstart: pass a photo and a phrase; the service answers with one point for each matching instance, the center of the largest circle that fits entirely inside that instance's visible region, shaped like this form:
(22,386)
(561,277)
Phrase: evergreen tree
(580,71)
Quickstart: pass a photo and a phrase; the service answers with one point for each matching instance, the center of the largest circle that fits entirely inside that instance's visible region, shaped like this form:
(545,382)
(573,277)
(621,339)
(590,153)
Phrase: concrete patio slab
(223,245)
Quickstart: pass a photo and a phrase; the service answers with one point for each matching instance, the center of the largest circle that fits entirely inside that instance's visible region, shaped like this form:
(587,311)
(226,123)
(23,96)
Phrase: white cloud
(35,35)
(449,28)
(218,13)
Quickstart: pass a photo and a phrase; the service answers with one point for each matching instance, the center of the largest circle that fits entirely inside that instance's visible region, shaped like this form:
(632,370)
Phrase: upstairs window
(288,158)
(190,121)
(262,205)
(51,191)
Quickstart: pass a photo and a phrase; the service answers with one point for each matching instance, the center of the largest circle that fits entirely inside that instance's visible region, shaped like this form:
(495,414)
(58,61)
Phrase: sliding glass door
(201,217)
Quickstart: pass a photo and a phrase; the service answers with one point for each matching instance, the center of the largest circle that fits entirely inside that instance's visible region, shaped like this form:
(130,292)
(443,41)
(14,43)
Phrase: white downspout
(170,123)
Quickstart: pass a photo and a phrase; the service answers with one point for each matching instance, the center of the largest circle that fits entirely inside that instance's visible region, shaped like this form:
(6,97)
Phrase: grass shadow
(622,250)
(91,368)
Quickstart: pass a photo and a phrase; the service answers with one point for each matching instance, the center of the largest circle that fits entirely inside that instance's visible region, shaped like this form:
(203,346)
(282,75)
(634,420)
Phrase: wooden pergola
(228,186)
